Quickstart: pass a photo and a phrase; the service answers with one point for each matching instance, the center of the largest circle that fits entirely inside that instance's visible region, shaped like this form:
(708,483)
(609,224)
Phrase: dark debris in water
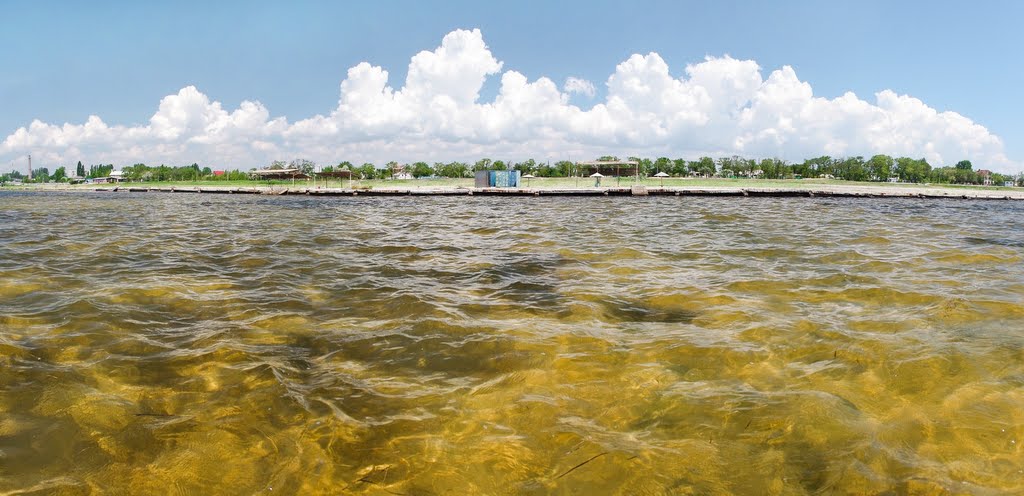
(524,278)
(588,460)
(633,311)
(995,241)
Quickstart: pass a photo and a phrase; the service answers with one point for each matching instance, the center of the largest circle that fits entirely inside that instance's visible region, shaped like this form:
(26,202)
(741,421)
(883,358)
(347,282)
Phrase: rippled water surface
(190,344)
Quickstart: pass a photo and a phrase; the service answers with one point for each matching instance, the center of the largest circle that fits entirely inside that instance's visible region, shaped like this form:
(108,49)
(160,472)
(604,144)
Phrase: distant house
(218,173)
(401,172)
(986,176)
(894,179)
(114,177)
(1009,184)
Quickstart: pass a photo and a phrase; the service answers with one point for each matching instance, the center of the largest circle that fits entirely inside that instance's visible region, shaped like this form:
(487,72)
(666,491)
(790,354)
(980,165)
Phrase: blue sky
(117,60)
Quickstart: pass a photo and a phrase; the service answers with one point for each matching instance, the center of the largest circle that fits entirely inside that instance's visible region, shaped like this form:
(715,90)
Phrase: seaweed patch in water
(640,312)
(995,241)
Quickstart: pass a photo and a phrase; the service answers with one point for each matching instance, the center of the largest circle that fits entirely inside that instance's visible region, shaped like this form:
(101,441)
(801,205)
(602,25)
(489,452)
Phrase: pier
(830,191)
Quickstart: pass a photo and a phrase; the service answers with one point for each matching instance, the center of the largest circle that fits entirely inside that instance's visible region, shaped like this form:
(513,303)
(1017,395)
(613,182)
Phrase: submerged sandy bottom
(181,344)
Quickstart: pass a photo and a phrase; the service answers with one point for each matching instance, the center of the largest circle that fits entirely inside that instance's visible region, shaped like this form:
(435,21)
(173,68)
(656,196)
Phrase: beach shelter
(661,175)
(597,178)
(528,177)
(340,174)
(615,168)
(279,174)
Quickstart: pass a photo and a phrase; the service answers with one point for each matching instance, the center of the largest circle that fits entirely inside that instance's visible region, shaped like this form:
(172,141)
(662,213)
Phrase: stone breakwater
(776,192)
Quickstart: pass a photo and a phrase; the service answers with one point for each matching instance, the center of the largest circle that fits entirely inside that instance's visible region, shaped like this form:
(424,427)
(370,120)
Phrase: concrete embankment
(822,191)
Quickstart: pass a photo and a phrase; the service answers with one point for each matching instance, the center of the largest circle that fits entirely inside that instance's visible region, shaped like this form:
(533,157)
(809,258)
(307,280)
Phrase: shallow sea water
(191,344)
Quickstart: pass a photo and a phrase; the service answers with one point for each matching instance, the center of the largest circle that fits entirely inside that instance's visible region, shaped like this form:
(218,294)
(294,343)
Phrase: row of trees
(136,172)
(193,172)
(876,168)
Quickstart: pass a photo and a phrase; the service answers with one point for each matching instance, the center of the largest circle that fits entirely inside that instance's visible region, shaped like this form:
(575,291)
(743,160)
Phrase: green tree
(663,164)
(526,167)
(679,167)
(102,170)
(964,165)
(564,168)
(545,169)
(422,169)
(80,169)
(135,172)
(965,176)
(851,169)
(912,170)
(942,175)
(482,164)
(734,166)
(60,174)
(704,166)
(456,169)
(817,166)
(773,168)
(366,171)
(304,166)
(880,167)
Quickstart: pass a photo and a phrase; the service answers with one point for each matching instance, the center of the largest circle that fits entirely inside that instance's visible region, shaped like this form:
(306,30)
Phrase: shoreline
(805,191)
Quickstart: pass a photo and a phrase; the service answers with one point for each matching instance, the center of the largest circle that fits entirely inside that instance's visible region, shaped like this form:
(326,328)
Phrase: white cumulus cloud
(720,106)
(574,85)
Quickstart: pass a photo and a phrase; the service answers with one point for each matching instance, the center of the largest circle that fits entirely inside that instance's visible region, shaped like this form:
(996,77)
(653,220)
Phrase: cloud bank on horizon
(722,106)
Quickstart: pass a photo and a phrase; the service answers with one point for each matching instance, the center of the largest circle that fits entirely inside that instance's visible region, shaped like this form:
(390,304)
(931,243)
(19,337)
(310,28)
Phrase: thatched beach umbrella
(528,177)
(597,178)
(662,175)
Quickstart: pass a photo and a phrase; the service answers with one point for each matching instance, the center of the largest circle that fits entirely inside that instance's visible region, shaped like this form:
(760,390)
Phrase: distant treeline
(877,168)
(137,172)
